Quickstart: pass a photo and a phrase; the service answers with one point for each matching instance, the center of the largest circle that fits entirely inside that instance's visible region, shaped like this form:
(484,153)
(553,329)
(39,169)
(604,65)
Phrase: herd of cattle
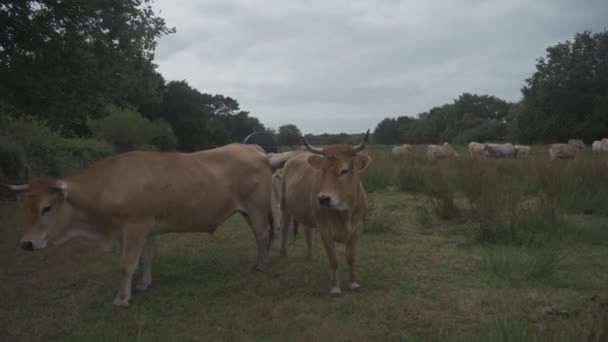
(131,197)
(508,150)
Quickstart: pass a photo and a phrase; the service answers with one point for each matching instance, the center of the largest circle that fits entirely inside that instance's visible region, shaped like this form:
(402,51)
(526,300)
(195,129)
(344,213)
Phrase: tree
(64,61)
(289,135)
(470,117)
(128,130)
(187,111)
(567,96)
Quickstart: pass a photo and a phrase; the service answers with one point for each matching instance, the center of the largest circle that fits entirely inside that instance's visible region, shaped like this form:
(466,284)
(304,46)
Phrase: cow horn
(361,146)
(59,185)
(22,187)
(312,149)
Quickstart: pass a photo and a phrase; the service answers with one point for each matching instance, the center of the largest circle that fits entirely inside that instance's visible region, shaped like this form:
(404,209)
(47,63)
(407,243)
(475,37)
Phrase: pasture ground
(424,276)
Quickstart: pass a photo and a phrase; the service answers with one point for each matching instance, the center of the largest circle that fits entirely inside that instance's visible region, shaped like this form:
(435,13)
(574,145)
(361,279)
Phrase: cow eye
(46,209)
(343,172)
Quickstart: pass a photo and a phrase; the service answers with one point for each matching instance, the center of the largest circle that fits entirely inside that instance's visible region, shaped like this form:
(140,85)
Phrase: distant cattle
(322,188)
(522,151)
(577,142)
(132,197)
(402,151)
(563,151)
(476,149)
(600,145)
(499,151)
(444,151)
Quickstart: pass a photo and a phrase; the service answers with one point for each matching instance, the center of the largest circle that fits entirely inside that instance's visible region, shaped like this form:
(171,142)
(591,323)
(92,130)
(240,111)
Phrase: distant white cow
(522,151)
(476,149)
(444,151)
(600,145)
(499,151)
(577,142)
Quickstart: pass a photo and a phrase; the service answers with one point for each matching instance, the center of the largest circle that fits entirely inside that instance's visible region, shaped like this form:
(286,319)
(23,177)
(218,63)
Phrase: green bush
(44,151)
(12,160)
(88,150)
(126,129)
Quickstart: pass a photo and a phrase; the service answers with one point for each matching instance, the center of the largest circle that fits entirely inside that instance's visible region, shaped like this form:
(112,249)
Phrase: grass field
(499,250)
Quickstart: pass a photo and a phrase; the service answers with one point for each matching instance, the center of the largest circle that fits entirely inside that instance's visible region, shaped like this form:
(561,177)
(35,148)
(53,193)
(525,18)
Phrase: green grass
(425,276)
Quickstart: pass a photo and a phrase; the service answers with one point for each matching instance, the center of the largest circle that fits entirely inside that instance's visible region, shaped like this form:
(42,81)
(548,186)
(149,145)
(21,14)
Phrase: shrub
(12,160)
(44,151)
(126,129)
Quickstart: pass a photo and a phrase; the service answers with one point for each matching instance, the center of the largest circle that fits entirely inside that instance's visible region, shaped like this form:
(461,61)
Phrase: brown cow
(323,189)
(563,151)
(133,196)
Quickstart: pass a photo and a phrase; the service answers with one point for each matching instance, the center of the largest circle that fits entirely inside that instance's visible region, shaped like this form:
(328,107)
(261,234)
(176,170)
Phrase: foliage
(44,151)
(126,129)
(12,160)
(289,135)
(64,61)
(470,117)
(203,120)
(567,96)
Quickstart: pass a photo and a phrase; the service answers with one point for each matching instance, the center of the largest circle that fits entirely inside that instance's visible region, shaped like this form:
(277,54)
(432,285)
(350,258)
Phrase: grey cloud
(345,65)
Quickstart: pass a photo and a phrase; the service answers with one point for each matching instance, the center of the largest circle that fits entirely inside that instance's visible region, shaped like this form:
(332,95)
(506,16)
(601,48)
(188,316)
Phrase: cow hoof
(142,286)
(354,286)
(121,302)
(335,292)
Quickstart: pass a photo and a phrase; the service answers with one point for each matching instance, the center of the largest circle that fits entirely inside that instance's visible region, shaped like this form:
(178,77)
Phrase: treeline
(567,97)
(78,82)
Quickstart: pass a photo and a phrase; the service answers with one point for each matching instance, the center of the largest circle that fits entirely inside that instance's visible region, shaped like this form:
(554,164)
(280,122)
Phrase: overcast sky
(342,66)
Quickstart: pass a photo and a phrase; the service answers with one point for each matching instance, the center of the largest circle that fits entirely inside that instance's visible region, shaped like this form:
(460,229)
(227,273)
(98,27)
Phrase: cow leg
(285,222)
(308,235)
(133,242)
(146,268)
(259,224)
(330,251)
(351,244)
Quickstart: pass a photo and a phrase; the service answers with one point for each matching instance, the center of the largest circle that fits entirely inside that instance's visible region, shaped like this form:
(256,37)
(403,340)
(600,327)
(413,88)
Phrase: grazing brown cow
(133,196)
(563,151)
(323,189)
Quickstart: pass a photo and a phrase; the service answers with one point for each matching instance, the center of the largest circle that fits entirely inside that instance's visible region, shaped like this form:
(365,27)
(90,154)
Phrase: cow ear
(315,160)
(362,161)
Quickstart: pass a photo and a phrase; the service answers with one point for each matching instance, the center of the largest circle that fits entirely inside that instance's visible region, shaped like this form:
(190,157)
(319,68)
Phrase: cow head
(44,208)
(340,166)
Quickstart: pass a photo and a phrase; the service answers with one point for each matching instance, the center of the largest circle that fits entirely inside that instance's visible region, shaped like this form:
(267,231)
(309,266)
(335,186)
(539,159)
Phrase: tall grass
(511,201)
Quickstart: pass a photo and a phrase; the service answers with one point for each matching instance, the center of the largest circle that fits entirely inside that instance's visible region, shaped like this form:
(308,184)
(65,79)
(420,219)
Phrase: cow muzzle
(32,245)
(327,200)
(27,245)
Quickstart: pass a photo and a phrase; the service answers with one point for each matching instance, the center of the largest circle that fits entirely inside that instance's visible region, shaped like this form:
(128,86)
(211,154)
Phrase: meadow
(457,250)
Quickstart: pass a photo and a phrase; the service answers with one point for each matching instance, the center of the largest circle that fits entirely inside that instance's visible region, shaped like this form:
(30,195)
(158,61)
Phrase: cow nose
(27,245)
(324,199)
